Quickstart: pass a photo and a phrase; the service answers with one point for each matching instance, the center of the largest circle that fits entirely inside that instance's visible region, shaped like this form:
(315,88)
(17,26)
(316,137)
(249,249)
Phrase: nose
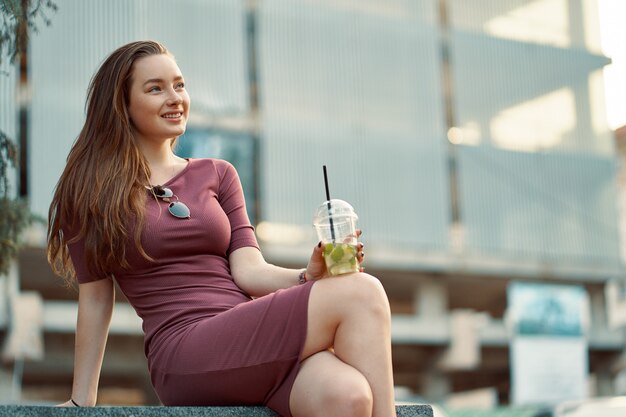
(174,98)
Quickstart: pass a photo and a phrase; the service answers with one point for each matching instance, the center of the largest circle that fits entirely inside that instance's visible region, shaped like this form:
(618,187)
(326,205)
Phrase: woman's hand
(316,269)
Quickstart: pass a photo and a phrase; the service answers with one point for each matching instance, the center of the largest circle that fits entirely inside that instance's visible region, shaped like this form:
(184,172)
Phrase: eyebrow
(160,80)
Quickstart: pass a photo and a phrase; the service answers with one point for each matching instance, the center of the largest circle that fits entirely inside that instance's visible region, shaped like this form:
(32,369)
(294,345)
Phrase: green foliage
(14,212)
(19,17)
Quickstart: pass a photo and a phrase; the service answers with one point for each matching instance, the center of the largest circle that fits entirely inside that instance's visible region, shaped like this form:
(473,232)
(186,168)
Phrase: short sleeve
(77,255)
(232,200)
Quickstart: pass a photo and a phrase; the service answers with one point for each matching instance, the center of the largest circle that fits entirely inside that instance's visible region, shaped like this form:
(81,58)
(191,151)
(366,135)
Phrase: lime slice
(328,248)
(337,254)
(349,249)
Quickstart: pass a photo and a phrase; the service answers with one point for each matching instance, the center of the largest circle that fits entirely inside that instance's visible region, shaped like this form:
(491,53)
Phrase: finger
(316,267)
(359,232)
(318,250)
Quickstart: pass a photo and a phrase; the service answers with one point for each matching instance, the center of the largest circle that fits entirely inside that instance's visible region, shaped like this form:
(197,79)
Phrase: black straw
(330,216)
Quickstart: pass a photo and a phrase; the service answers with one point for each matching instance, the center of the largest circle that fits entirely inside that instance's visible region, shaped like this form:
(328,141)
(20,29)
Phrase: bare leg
(328,387)
(351,314)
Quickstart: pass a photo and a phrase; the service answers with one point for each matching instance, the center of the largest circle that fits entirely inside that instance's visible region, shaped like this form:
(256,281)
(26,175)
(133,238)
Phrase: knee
(355,295)
(351,399)
(370,294)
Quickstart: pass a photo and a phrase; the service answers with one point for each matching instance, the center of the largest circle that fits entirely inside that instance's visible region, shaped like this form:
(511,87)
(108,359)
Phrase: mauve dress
(206,340)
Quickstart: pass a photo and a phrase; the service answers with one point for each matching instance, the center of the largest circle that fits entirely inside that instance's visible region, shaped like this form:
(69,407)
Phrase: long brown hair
(101,193)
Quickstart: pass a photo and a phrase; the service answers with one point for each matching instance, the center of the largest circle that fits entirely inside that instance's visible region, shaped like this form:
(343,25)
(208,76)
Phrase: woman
(222,326)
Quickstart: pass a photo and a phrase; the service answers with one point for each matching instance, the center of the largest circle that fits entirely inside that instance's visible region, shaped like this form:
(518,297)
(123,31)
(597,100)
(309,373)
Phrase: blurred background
(481,142)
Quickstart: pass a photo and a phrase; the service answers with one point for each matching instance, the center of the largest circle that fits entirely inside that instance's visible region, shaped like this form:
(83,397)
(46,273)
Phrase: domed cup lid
(338,210)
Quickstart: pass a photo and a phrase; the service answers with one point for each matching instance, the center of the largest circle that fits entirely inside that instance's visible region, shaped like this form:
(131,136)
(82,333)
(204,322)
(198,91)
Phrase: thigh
(267,329)
(333,300)
(325,384)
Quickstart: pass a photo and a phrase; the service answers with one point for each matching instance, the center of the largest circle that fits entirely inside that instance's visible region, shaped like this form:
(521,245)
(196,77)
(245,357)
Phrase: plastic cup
(336,229)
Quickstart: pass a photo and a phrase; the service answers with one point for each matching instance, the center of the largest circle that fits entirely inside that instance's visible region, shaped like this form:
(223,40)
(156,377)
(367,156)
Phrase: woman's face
(158,102)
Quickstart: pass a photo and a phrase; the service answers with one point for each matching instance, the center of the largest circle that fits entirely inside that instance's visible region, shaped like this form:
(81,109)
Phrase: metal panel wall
(554,209)
(355,86)
(209,41)
(65,56)
(537,165)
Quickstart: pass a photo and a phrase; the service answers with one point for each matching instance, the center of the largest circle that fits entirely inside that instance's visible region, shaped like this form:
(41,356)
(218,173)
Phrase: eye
(154,88)
(180,85)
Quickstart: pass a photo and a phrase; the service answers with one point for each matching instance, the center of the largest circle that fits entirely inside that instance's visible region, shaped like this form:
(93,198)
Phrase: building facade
(470,136)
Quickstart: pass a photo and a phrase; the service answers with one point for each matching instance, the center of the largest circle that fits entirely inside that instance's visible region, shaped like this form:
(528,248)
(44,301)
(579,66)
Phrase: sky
(613,39)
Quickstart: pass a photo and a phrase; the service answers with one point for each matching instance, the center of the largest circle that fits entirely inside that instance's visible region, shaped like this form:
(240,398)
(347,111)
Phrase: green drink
(335,223)
(340,258)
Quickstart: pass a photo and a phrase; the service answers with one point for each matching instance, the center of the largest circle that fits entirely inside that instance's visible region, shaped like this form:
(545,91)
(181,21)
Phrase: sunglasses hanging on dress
(176,208)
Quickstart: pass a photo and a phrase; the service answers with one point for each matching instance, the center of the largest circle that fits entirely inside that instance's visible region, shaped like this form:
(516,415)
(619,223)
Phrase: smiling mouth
(172,115)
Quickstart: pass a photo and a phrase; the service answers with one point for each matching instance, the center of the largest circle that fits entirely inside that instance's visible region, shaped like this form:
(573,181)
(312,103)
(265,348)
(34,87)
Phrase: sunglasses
(176,208)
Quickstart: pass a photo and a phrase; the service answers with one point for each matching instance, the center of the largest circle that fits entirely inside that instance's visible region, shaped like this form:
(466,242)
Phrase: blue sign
(547,310)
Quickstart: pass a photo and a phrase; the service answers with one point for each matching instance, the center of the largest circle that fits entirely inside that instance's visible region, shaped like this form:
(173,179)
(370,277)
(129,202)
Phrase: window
(234,147)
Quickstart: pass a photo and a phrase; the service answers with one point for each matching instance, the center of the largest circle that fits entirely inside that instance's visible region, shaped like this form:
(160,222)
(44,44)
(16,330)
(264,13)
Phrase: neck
(163,163)
(158,156)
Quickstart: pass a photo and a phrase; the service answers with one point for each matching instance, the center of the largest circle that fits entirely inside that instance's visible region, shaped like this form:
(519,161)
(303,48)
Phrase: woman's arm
(257,277)
(95,307)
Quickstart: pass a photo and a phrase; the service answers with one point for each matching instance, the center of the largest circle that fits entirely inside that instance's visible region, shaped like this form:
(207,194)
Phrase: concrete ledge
(39,411)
